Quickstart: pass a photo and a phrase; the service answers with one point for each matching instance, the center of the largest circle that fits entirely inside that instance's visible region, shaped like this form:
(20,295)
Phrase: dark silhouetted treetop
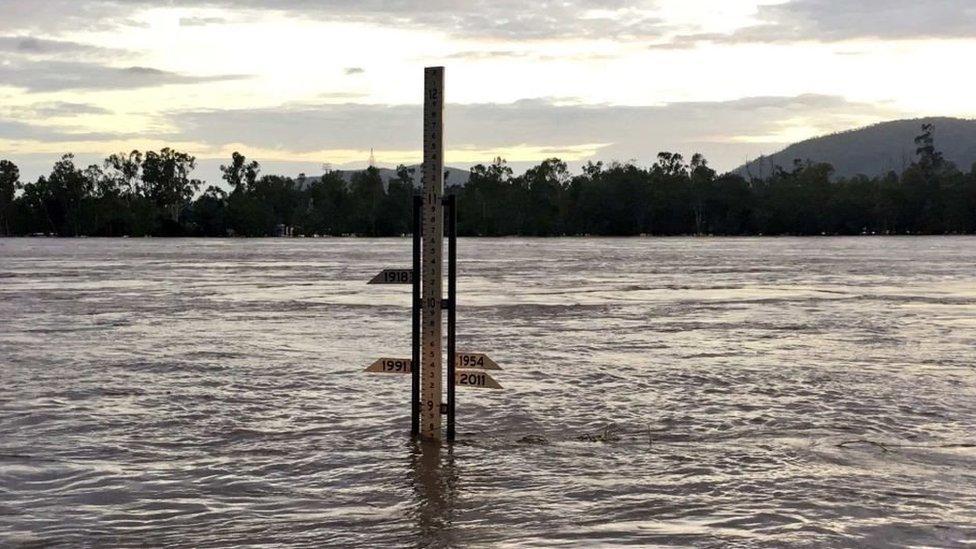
(152,193)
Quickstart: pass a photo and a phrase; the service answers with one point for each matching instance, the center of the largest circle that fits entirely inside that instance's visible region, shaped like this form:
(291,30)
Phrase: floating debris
(534,439)
(610,433)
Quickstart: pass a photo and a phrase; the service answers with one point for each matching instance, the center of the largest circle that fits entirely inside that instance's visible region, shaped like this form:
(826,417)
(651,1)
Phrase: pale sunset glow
(300,84)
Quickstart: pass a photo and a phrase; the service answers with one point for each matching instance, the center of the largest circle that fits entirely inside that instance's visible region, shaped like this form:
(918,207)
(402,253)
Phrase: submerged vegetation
(152,193)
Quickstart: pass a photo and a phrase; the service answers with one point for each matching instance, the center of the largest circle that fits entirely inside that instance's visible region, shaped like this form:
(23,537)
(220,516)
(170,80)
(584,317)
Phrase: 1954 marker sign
(474,361)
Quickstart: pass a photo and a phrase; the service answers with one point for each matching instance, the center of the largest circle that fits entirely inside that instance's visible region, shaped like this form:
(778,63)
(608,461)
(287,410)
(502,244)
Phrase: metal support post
(451,202)
(418,203)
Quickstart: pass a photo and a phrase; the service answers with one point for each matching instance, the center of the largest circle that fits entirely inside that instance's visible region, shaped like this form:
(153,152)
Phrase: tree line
(153,194)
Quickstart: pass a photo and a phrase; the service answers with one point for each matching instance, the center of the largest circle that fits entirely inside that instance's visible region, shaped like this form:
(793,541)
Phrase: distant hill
(875,150)
(452,176)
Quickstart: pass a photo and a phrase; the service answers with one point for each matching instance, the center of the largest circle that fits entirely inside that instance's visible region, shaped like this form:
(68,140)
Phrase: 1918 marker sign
(393,276)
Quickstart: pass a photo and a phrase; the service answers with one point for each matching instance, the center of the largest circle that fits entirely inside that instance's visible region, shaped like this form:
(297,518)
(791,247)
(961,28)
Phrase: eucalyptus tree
(9,183)
(166,180)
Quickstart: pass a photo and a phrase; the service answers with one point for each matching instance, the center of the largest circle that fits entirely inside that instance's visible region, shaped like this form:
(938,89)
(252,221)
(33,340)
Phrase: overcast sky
(297,84)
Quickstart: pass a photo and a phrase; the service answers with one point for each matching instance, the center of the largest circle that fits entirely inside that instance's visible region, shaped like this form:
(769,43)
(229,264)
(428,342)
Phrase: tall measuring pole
(432,356)
(426,366)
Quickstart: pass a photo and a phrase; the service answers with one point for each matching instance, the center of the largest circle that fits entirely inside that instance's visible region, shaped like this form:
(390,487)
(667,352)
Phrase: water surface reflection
(434,479)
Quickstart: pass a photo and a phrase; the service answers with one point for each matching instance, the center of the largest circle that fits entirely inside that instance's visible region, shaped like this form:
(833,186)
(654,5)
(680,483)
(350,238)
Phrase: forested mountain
(874,150)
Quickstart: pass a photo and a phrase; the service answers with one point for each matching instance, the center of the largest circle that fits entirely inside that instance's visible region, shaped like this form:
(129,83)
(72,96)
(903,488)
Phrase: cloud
(341,95)
(512,19)
(22,131)
(201,21)
(49,76)
(45,16)
(830,20)
(729,129)
(54,109)
(517,19)
(620,20)
(33,47)
(838,20)
(486,55)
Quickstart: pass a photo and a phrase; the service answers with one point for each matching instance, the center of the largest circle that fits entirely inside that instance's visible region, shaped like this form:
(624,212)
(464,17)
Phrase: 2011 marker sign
(480,380)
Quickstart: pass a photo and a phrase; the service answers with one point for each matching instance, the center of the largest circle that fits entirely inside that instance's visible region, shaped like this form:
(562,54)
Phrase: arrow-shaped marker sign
(393,276)
(476,379)
(481,380)
(391,366)
(474,361)
(462,361)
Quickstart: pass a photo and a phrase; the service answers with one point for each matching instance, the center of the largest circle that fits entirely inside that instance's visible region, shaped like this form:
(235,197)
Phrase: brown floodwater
(754,392)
